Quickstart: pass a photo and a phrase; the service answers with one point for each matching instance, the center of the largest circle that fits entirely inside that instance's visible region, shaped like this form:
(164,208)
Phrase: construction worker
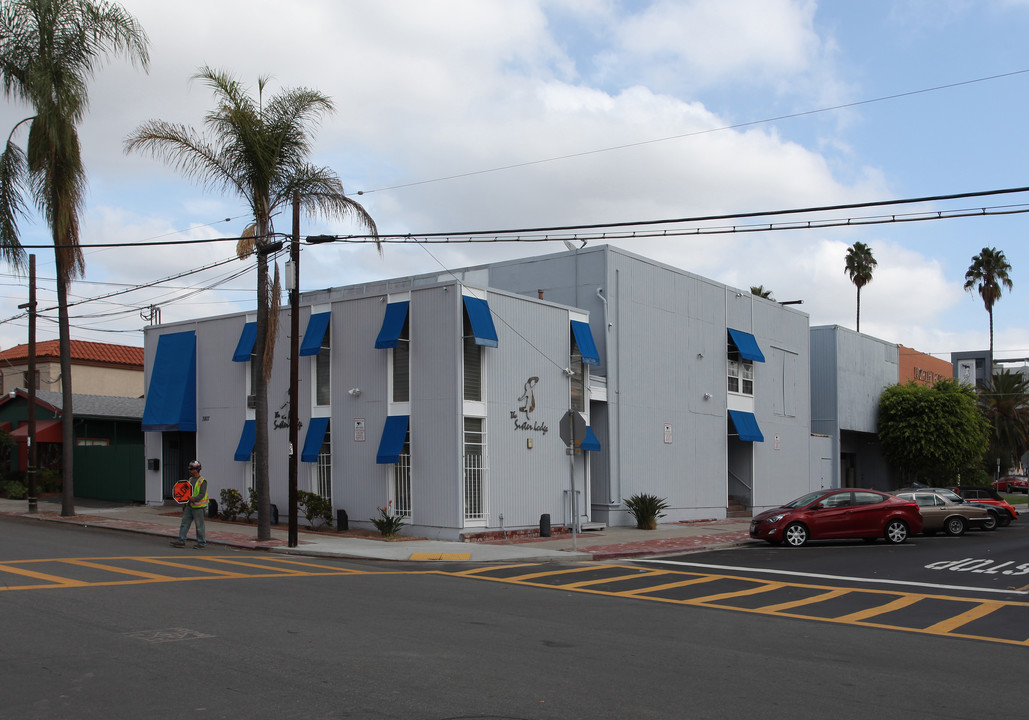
(193,511)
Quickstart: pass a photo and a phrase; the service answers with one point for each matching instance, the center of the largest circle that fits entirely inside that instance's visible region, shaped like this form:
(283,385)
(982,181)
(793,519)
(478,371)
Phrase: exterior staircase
(735,509)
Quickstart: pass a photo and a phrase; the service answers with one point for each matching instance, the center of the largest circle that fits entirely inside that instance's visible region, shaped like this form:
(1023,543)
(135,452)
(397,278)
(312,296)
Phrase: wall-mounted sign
(668,433)
(524,417)
(358,429)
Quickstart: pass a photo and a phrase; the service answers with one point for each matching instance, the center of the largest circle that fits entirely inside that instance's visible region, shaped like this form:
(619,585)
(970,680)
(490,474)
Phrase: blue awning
(584,339)
(245,346)
(746,426)
(392,325)
(245,448)
(392,443)
(171,397)
(314,438)
(481,320)
(747,345)
(591,442)
(315,333)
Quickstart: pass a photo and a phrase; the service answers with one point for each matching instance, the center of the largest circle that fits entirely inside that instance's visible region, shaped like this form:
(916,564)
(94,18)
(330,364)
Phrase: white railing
(402,486)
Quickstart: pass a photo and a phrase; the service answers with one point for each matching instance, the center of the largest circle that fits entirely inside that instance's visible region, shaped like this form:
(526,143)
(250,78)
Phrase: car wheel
(955,526)
(896,532)
(1005,519)
(795,535)
(991,521)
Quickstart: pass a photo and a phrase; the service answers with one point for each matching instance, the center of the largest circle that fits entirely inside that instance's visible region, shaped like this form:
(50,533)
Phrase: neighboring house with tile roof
(97,368)
(108,453)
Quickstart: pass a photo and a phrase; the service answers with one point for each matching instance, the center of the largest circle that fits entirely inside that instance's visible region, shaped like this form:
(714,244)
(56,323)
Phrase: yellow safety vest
(202,501)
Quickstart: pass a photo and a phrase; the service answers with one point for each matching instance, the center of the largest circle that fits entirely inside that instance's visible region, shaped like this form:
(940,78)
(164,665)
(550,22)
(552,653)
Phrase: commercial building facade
(451,398)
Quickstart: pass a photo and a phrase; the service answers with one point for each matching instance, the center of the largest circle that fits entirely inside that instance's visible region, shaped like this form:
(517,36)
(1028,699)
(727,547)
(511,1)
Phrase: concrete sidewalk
(607,544)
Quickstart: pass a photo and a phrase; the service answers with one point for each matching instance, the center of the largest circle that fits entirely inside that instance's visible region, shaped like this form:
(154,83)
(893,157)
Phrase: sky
(466,115)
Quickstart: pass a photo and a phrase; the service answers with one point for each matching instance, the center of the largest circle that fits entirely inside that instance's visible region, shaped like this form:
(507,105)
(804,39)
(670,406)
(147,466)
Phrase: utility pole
(30,386)
(294,366)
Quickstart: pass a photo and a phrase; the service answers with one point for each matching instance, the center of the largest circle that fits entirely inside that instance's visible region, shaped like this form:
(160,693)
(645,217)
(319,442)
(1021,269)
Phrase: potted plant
(646,509)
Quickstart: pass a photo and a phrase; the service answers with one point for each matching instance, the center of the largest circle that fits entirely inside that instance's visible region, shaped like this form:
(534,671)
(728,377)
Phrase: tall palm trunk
(264,529)
(859,308)
(67,415)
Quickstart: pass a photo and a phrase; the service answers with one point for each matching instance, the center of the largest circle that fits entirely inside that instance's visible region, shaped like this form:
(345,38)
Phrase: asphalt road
(98,624)
(995,561)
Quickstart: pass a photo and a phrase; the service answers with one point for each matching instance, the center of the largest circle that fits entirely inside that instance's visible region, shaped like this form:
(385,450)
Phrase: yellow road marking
(763,588)
(62,581)
(184,566)
(668,586)
(805,601)
(982,610)
(283,571)
(476,571)
(616,578)
(114,569)
(859,618)
(901,602)
(550,573)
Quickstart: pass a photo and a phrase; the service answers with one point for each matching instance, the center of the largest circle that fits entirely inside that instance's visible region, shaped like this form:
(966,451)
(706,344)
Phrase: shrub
(232,502)
(249,508)
(387,523)
(646,509)
(15,490)
(315,507)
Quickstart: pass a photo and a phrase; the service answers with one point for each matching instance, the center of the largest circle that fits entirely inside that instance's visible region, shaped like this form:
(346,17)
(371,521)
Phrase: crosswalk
(932,613)
(990,619)
(58,573)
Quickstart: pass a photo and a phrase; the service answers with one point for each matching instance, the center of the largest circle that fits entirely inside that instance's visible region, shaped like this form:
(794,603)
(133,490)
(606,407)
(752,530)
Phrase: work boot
(177,543)
(199,547)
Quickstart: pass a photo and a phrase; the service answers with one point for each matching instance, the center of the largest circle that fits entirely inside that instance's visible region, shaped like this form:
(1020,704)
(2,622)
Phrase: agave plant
(646,509)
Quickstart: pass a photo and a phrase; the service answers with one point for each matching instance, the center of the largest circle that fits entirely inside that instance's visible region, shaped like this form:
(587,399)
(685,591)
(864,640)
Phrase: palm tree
(258,151)
(988,274)
(859,267)
(1005,403)
(49,49)
(759,291)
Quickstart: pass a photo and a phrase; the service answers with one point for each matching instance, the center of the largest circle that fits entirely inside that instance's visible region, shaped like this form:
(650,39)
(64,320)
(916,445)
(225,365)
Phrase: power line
(695,133)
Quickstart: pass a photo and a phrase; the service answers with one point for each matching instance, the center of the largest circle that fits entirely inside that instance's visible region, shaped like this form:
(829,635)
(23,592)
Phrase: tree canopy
(859,266)
(933,434)
(989,273)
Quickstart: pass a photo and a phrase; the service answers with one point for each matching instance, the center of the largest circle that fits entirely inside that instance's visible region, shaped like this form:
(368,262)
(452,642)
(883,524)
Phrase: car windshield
(805,499)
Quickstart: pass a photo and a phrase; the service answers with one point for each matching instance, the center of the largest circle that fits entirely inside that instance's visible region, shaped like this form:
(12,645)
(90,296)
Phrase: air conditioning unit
(251,401)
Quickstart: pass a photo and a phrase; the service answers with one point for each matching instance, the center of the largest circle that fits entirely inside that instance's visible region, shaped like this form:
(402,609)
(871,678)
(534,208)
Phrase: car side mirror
(818,506)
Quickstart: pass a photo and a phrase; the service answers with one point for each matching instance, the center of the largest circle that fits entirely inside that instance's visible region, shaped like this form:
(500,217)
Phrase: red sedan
(840,513)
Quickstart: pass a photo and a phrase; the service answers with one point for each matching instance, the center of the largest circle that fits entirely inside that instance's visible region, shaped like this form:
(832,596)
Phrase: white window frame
(316,309)
(402,407)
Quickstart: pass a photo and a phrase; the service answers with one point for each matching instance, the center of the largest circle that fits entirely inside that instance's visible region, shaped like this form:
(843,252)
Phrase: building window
(474,469)
(472,363)
(402,480)
(323,468)
(740,374)
(578,379)
(402,365)
(322,365)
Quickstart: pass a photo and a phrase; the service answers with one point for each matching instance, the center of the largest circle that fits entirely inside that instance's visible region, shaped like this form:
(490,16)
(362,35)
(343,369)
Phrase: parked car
(945,510)
(840,513)
(1012,484)
(991,498)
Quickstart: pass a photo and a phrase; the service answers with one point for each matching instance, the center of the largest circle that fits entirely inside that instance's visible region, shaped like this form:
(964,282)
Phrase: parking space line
(668,586)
